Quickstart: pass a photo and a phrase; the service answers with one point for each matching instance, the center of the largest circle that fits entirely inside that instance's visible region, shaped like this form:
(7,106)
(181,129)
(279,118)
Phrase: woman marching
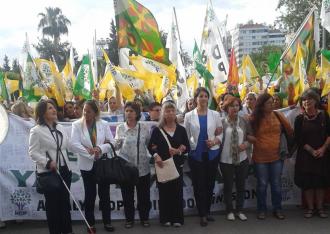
(234,161)
(267,126)
(47,147)
(89,137)
(204,129)
(312,131)
(131,141)
(171,192)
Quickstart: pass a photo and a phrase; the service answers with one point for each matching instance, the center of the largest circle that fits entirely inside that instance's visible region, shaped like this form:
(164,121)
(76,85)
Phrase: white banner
(19,199)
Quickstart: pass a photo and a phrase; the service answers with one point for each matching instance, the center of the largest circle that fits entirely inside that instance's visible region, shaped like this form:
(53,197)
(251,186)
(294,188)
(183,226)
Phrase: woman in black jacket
(171,192)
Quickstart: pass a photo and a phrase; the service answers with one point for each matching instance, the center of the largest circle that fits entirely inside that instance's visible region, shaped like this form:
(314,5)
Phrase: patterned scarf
(92,133)
(234,141)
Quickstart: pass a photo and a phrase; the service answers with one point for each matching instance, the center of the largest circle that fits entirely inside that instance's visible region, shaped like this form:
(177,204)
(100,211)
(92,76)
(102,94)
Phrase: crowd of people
(229,139)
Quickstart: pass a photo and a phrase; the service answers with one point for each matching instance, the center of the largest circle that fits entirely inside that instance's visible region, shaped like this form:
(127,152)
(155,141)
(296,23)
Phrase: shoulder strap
(166,139)
(138,144)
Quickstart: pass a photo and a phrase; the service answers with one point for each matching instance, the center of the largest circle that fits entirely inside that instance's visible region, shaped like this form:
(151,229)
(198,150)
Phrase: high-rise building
(248,38)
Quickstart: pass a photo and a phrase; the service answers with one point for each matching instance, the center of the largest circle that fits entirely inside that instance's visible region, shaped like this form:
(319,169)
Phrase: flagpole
(323,37)
(177,26)
(298,32)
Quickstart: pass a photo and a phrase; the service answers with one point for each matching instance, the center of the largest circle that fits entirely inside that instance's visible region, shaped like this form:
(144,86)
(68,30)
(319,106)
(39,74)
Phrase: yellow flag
(69,79)
(249,76)
(53,79)
(192,84)
(299,72)
(153,70)
(124,82)
(12,85)
(325,71)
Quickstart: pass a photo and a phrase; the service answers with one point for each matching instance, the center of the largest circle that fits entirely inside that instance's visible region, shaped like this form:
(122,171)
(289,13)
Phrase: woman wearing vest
(47,147)
(168,140)
(203,128)
(89,137)
(234,161)
(131,142)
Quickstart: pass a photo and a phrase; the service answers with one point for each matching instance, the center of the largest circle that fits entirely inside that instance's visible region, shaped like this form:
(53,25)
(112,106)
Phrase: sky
(19,17)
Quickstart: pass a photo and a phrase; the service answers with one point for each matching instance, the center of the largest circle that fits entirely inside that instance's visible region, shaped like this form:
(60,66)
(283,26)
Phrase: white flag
(173,44)
(212,48)
(325,14)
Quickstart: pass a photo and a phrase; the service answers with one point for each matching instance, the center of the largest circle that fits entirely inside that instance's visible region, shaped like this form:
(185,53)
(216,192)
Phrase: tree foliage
(53,23)
(293,12)
(50,51)
(15,66)
(113,44)
(260,58)
(6,66)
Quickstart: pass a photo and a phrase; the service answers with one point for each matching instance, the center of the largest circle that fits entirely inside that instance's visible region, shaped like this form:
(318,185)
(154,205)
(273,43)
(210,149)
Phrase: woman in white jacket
(89,140)
(204,129)
(47,147)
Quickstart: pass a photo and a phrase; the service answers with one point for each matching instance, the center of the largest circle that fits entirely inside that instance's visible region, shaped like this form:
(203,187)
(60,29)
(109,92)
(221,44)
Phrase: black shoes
(203,221)
(109,228)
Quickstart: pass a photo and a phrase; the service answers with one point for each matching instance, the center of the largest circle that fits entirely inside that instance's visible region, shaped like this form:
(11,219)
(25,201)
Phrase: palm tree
(53,23)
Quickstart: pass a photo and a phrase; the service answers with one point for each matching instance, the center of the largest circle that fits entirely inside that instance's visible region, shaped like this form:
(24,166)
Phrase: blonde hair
(166,105)
(20,108)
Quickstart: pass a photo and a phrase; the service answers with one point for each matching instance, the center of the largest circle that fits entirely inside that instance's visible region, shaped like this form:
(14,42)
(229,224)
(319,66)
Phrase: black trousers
(143,199)
(90,182)
(171,200)
(240,173)
(58,207)
(203,179)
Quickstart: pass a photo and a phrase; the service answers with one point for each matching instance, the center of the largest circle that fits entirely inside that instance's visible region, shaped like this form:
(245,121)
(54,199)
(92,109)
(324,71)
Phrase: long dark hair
(258,113)
(41,110)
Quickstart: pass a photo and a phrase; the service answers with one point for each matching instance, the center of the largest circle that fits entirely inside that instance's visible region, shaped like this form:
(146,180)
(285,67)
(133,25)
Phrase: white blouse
(126,144)
(225,155)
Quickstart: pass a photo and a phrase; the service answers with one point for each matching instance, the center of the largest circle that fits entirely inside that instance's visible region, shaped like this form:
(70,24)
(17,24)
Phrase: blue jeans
(269,173)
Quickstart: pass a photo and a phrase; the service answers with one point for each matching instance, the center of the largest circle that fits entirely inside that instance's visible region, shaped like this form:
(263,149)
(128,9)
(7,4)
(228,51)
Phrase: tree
(112,51)
(53,23)
(293,12)
(5,66)
(15,66)
(50,51)
(260,58)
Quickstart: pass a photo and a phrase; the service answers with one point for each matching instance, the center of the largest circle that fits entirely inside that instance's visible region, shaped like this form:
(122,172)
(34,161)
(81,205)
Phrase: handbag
(116,170)
(168,172)
(50,182)
(287,144)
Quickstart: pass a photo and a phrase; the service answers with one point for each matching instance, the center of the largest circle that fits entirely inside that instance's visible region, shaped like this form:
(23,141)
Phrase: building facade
(249,38)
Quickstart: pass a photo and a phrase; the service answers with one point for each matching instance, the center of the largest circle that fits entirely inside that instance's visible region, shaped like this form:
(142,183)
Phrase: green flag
(326,54)
(3,89)
(200,68)
(204,73)
(138,30)
(84,84)
(33,86)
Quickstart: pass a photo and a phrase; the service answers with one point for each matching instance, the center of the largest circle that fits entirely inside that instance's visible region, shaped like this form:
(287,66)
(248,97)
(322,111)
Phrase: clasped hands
(173,151)
(215,141)
(316,153)
(95,151)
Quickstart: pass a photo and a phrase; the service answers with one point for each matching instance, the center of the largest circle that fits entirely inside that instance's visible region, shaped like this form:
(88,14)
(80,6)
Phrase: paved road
(294,224)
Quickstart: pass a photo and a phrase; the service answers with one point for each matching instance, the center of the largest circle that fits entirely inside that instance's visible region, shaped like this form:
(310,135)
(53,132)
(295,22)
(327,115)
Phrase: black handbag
(116,170)
(50,182)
